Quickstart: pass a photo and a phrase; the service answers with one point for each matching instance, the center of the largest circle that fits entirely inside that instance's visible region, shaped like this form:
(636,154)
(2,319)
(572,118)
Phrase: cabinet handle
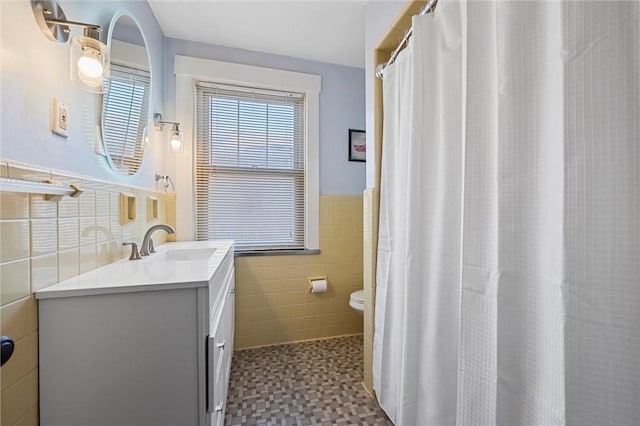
(218,408)
(210,373)
(221,344)
(7,346)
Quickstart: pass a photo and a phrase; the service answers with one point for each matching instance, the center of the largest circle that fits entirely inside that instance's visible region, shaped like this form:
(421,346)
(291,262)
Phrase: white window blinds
(250,173)
(125,106)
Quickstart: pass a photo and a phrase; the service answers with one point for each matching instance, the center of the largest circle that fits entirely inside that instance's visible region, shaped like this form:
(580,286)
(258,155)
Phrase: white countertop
(154,272)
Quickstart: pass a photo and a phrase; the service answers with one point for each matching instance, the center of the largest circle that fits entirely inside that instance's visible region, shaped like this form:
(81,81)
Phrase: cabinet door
(120,359)
(216,346)
(221,350)
(230,321)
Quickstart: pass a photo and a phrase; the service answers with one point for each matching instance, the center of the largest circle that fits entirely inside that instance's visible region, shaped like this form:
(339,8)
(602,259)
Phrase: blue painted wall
(35,69)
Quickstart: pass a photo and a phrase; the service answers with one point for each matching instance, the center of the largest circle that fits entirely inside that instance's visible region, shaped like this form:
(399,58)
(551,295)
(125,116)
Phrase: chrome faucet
(147,242)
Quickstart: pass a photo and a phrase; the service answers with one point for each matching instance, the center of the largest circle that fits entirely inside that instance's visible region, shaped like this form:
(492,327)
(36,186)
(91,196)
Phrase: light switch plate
(59,118)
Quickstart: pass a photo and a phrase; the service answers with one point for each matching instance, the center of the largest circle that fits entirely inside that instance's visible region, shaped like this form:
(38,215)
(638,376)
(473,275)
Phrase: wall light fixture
(90,64)
(175,137)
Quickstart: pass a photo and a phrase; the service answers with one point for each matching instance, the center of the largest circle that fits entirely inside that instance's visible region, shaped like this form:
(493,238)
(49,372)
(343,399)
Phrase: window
(250,167)
(125,106)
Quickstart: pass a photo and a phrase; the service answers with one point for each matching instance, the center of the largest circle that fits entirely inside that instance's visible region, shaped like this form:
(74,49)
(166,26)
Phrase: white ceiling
(321,30)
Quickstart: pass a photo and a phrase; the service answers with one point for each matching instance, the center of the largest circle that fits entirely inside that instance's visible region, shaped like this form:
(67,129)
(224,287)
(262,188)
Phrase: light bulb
(176,139)
(89,64)
(89,67)
(176,143)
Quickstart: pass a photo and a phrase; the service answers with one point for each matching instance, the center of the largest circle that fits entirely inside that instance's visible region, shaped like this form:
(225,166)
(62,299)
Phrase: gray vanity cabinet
(160,356)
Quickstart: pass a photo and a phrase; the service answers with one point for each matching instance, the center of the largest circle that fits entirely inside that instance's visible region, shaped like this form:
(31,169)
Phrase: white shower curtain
(508,281)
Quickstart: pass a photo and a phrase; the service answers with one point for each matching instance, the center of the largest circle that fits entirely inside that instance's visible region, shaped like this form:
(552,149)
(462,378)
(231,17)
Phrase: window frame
(189,70)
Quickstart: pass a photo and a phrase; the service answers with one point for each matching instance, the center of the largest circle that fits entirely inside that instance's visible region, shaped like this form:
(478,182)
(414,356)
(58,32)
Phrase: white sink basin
(174,255)
(175,265)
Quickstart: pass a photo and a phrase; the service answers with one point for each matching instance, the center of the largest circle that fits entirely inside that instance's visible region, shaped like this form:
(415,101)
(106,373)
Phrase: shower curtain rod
(381,67)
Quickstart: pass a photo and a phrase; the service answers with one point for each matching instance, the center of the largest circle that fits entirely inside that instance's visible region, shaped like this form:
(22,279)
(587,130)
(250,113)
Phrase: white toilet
(357,301)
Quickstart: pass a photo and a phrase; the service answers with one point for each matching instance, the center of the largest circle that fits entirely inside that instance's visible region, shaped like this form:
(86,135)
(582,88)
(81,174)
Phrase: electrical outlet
(59,118)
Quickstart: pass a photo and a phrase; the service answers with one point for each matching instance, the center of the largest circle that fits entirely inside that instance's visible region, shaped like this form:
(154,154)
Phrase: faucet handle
(134,251)
(151,249)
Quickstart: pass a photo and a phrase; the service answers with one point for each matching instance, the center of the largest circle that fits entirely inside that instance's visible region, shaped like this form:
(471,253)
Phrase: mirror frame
(114,20)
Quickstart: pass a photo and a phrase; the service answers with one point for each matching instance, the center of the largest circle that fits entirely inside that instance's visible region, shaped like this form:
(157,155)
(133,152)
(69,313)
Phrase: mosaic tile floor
(309,383)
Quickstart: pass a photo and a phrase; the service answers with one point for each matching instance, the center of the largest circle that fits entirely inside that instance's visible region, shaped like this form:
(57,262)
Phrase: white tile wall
(44,242)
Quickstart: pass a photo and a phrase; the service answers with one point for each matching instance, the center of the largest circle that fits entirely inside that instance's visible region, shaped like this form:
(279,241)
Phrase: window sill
(276,252)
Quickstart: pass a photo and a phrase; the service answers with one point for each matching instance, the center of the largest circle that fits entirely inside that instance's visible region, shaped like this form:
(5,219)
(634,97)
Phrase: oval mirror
(125,103)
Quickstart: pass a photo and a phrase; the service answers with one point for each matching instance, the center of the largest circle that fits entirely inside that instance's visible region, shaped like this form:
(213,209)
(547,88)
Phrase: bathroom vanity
(144,342)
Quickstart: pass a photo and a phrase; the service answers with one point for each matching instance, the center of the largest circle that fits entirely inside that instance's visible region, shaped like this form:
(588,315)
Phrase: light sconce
(90,64)
(175,138)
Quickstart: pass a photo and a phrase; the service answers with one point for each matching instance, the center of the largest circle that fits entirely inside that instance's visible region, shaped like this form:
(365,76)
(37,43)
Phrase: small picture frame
(357,145)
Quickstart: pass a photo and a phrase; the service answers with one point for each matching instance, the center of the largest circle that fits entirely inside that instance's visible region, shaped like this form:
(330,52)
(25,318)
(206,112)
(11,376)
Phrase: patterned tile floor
(308,383)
